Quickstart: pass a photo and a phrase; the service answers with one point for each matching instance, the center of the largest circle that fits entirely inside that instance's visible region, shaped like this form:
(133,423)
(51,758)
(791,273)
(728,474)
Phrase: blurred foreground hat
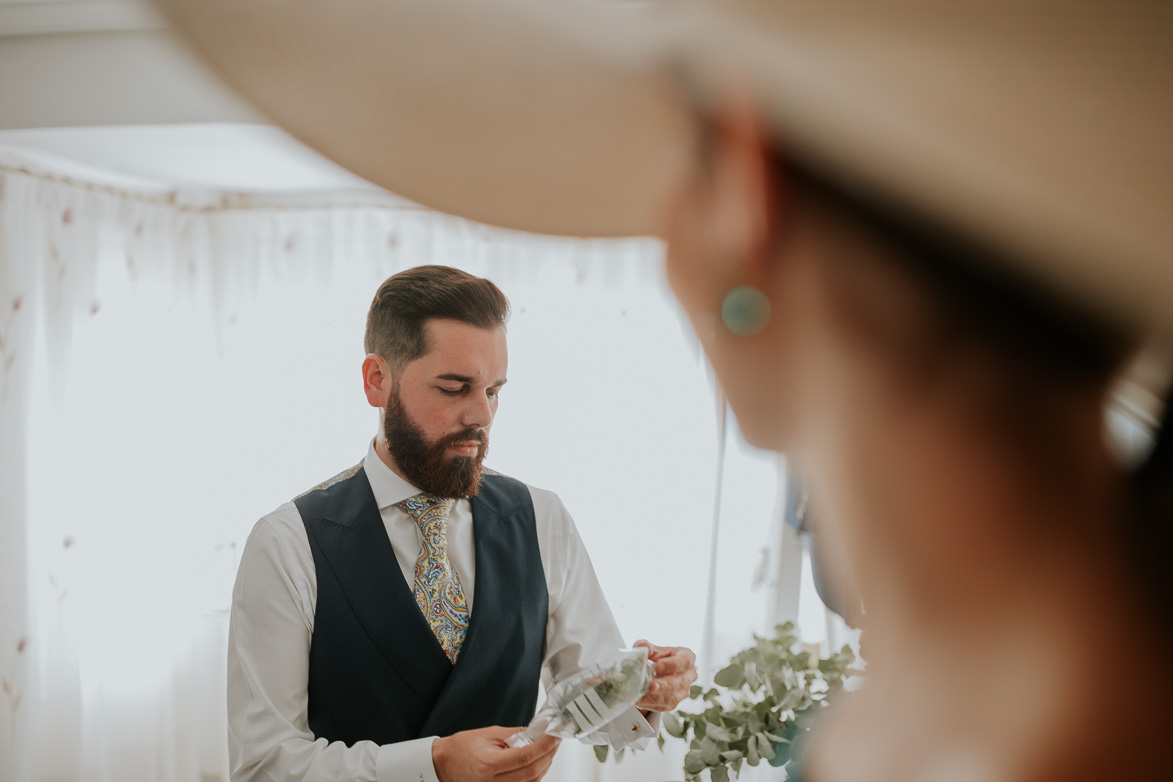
(1043,129)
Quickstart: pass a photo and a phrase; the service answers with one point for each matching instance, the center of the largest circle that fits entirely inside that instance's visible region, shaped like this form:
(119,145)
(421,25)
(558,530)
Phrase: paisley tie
(437,587)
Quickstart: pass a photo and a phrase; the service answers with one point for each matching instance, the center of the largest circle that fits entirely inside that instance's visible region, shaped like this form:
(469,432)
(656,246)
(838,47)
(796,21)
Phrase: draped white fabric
(171,373)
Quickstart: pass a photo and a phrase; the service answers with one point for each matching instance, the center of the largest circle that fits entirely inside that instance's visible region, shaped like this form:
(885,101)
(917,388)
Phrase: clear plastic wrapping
(578,706)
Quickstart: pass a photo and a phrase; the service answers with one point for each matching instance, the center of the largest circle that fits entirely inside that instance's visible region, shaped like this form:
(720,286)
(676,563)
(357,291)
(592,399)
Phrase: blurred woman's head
(930,308)
(870,326)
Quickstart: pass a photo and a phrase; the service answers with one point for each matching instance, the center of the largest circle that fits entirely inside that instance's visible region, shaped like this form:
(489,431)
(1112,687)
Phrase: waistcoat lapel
(349,531)
(505,567)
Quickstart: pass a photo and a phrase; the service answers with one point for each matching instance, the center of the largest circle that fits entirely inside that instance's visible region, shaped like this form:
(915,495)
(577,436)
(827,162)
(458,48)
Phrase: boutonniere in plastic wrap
(580,705)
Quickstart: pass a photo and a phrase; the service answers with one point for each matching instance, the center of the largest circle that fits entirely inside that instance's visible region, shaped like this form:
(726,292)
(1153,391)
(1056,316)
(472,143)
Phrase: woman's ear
(376,380)
(743,189)
(723,227)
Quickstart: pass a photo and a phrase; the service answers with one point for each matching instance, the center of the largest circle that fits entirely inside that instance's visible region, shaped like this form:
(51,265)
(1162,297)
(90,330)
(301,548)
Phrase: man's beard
(427,466)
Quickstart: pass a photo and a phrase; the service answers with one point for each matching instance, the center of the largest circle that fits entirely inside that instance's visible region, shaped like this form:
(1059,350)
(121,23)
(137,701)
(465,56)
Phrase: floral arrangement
(762,705)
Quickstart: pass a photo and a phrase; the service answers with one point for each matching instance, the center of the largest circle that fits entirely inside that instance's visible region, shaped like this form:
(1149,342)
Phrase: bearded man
(359,647)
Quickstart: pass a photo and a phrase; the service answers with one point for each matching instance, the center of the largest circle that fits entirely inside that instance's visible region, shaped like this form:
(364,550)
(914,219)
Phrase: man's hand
(481,755)
(675,673)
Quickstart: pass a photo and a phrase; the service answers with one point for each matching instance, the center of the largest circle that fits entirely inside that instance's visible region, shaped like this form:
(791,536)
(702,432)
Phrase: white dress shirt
(272,622)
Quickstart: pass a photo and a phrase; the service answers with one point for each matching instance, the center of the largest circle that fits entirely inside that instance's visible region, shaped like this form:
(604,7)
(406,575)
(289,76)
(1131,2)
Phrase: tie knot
(427,509)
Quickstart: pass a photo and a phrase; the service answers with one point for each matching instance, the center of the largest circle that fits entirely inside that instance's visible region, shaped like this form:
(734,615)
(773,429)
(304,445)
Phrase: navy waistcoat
(376,671)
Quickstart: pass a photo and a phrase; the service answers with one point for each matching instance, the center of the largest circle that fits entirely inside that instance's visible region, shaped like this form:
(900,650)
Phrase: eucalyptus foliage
(763,704)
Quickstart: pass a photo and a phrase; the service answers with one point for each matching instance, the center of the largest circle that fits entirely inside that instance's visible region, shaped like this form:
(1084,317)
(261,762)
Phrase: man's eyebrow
(466,379)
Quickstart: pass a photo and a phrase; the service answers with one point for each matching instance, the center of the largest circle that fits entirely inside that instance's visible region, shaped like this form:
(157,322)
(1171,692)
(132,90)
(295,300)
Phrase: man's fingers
(654,652)
(527,756)
(675,663)
(679,683)
(667,693)
(534,771)
(675,668)
(523,757)
(501,732)
(664,701)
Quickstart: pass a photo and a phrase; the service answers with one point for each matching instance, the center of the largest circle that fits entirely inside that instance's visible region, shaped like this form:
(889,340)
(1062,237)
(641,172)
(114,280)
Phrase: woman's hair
(1042,340)
(1151,534)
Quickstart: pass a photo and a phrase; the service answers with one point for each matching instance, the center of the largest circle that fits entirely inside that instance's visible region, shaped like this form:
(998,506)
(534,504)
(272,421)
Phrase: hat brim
(485,110)
(1044,135)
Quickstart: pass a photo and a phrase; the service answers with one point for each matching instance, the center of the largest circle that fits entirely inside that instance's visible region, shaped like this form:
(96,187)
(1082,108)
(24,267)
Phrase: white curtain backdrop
(170,373)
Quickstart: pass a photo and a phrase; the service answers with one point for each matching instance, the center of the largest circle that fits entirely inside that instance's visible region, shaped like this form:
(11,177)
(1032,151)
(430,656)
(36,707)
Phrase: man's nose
(478,413)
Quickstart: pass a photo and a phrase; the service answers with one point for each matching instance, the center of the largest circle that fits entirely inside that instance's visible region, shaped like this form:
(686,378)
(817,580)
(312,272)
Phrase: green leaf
(673,726)
(694,763)
(719,774)
(601,751)
(732,676)
(695,691)
(718,733)
(765,746)
(795,700)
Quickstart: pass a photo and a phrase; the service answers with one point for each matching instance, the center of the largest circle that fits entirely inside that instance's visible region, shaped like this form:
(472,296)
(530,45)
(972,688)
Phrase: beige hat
(1042,128)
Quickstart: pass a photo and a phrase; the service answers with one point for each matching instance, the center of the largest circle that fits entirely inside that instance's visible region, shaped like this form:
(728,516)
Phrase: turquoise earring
(745,311)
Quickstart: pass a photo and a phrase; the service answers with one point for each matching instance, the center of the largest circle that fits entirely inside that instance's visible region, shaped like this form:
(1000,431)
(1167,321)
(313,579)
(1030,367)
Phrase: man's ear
(376,380)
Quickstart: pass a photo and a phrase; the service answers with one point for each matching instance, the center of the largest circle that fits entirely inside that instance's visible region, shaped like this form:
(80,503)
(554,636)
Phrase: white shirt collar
(388,487)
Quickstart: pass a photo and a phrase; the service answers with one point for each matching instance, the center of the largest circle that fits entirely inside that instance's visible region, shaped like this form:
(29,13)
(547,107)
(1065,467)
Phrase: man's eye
(494,394)
(452,392)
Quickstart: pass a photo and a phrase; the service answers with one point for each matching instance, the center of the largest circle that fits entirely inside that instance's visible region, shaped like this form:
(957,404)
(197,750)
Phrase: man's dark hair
(408,300)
